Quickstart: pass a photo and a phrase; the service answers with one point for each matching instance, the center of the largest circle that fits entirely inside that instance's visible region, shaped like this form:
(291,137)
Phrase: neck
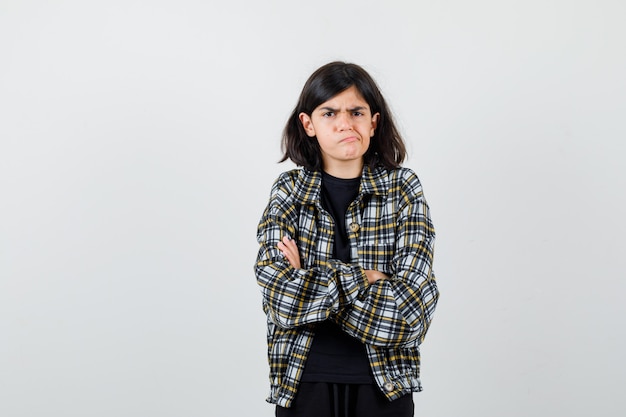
(345,171)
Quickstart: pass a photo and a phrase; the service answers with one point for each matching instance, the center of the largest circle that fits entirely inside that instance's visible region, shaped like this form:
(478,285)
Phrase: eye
(357,113)
(328,114)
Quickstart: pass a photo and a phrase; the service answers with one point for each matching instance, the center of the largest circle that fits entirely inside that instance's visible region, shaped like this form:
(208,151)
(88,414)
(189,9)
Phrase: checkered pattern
(390,230)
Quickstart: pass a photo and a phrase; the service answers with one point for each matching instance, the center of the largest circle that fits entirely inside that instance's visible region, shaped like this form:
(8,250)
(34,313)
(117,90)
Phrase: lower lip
(350,139)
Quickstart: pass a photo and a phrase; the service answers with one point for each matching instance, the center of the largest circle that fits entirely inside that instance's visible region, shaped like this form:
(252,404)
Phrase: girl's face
(343,126)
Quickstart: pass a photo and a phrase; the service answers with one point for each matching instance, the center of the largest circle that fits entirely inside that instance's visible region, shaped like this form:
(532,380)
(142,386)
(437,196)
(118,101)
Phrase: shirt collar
(308,185)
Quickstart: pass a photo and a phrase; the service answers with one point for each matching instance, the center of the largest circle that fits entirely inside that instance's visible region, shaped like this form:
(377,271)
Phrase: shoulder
(405,181)
(284,184)
(296,186)
(287,178)
(405,188)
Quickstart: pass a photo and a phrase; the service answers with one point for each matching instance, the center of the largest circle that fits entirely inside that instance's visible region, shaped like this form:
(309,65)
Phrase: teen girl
(345,258)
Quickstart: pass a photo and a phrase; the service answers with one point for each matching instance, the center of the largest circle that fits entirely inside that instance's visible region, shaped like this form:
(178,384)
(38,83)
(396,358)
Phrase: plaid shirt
(390,230)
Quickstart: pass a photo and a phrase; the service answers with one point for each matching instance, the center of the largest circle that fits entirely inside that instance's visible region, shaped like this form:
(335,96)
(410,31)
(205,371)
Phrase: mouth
(349,139)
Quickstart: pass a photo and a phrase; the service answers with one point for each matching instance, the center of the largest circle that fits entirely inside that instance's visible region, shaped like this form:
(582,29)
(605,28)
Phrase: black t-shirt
(335,356)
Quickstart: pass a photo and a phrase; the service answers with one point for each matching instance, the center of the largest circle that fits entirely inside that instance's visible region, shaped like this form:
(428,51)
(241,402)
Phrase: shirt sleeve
(397,312)
(295,297)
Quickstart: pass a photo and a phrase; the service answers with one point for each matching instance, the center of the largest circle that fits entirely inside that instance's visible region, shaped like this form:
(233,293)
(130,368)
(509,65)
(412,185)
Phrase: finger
(287,253)
(290,243)
(286,247)
(289,248)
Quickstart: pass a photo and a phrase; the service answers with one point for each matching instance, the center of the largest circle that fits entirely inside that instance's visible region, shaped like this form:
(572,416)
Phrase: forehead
(350,97)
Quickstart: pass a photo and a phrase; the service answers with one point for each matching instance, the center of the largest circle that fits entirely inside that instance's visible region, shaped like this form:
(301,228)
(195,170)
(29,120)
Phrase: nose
(344,121)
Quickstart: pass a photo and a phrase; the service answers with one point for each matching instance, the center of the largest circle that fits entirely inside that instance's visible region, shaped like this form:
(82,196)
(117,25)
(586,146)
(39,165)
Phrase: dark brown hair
(386,147)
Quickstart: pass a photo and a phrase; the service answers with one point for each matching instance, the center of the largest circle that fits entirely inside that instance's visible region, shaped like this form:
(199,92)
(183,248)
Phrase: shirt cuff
(350,278)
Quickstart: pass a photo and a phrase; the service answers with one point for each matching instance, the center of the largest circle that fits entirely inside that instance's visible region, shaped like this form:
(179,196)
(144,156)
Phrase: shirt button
(354,227)
(389,386)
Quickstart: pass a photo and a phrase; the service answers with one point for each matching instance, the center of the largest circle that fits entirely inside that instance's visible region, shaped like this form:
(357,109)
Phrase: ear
(307,124)
(374,123)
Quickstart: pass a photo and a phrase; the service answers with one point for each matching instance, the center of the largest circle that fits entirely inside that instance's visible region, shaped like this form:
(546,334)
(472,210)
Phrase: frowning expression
(343,127)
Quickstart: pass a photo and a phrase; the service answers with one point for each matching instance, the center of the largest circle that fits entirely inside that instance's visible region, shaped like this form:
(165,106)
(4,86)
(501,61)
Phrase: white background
(138,142)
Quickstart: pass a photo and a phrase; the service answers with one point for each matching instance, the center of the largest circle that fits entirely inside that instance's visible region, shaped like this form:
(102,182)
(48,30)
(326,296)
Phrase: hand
(289,248)
(373,275)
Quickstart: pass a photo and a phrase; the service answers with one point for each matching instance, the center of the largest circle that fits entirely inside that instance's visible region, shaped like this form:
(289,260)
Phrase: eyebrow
(357,108)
